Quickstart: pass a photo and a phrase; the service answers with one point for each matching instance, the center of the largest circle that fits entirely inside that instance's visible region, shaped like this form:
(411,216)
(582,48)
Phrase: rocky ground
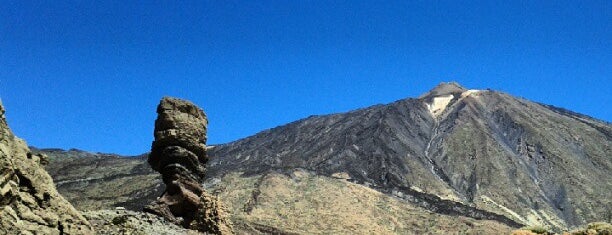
(126,222)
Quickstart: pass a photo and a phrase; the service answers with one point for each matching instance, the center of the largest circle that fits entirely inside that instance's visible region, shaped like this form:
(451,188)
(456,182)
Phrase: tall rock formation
(179,154)
(29,202)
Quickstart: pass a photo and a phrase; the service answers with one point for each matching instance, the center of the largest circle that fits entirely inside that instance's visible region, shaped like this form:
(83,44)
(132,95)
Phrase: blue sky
(89,74)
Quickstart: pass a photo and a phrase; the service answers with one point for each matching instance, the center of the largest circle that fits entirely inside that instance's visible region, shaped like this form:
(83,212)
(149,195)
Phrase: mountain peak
(444,88)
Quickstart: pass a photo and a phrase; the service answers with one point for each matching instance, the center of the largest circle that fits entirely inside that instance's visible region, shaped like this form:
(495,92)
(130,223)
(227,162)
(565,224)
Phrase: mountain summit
(444,89)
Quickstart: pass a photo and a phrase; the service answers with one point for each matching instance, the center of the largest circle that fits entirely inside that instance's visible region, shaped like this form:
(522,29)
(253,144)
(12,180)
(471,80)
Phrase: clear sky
(89,74)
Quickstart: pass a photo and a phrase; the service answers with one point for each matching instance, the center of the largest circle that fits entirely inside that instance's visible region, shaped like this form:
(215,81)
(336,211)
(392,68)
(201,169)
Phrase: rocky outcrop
(29,202)
(179,154)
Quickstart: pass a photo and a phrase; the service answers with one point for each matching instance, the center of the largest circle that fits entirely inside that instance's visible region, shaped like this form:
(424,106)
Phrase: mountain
(532,163)
(496,160)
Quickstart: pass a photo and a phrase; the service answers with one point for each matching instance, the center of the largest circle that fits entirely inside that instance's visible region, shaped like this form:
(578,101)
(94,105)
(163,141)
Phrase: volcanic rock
(179,154)
(29,202)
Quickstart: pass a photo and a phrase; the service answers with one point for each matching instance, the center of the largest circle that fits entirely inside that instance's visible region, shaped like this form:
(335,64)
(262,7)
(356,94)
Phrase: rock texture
(29,202)
(179,154)
(126,222)
(83,178)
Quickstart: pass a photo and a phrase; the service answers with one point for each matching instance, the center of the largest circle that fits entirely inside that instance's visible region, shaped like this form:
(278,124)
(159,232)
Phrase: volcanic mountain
(492,159)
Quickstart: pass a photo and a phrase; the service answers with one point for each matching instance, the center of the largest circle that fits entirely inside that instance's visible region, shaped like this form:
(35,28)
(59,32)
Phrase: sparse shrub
(600,227)
(120,219)
(597,228)
(522,232)
(536,229)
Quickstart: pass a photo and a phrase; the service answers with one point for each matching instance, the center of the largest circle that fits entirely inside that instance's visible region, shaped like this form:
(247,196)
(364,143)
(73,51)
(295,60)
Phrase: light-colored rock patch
(341,175)
(437,106)
(488,200)
(469,92)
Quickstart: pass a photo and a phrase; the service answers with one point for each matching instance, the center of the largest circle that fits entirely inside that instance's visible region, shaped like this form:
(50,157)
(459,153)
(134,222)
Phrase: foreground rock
(119,221)
(29,202)
(179,154)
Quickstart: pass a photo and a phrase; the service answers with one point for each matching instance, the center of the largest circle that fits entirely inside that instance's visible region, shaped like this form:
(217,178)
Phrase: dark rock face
(29,202)
(179,154)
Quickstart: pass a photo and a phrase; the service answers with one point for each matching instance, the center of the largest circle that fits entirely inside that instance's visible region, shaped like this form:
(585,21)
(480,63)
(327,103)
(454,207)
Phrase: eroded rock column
(179,154)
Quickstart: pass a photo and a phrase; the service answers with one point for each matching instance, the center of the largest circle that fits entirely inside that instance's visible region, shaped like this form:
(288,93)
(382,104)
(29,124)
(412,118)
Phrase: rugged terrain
(29,202)
(496,161)
(84,179)
(121,221)
(277,202)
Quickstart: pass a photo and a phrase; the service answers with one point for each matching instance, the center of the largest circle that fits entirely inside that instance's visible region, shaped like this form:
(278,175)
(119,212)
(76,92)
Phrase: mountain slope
(85,178)
(474,153)
(302,202)
(530,162)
